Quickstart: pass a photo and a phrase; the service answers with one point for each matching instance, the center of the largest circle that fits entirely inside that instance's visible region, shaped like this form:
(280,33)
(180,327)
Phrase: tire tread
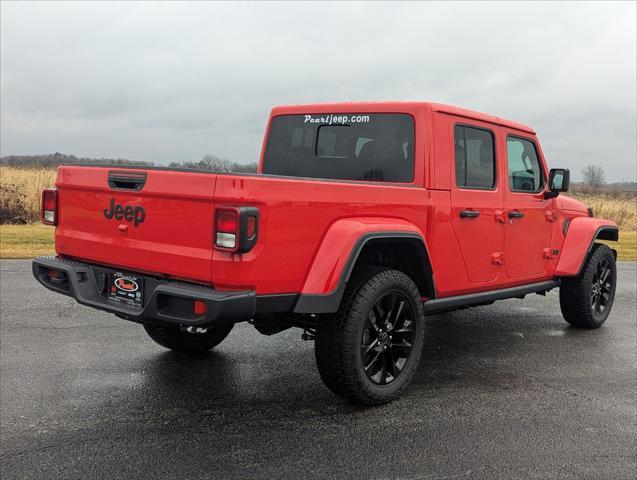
(575,291)
(336,341)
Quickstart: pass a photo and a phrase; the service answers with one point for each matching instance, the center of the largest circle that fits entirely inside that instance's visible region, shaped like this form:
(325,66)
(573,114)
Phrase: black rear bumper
(166,301)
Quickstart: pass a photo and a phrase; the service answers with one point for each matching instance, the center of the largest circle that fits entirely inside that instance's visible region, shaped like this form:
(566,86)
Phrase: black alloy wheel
(602,287)
(587,299)
(387,338)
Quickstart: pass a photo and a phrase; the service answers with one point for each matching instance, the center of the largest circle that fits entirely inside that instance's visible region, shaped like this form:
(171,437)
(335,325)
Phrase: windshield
(356,146)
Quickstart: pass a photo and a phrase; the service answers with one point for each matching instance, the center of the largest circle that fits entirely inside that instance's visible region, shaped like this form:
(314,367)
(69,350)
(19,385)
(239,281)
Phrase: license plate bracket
(126,288)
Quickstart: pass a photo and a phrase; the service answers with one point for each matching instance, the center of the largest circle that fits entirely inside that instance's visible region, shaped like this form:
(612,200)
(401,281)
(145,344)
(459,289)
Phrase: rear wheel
(369,350)
(586,300)
(183,341)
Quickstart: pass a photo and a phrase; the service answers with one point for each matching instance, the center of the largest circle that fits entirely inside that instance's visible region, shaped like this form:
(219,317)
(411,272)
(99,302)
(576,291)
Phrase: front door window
(525,172)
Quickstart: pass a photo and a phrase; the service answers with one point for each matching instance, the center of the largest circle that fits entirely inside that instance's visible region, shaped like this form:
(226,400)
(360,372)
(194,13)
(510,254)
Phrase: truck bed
(175,239)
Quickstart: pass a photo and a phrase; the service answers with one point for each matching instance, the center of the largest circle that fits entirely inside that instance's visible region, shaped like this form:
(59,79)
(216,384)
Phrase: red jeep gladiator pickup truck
(362,219)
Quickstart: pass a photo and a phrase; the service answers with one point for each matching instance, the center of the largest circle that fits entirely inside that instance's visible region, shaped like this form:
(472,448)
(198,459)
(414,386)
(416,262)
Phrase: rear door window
(377,147)
(474,158)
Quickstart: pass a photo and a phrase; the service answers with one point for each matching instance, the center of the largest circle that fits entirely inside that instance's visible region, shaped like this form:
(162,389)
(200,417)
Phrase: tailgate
(145,220)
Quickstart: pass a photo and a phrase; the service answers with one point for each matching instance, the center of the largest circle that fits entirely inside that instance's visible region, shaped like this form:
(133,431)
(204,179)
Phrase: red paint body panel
(580,236)
(450,272)
(296,215)
(308,227)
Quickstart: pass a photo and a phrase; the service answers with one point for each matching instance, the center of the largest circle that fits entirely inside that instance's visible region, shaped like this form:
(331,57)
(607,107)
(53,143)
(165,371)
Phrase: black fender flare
(329,303)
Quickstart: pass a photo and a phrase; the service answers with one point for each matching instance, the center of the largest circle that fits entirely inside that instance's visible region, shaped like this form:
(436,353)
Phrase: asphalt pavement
(504,391)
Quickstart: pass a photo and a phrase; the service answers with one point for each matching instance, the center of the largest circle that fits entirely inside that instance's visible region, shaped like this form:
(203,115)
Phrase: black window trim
(495,157)
(539,161)
(414,182)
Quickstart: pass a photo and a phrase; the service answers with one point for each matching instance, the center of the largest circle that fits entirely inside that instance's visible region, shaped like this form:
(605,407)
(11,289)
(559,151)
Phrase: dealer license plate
(126,288)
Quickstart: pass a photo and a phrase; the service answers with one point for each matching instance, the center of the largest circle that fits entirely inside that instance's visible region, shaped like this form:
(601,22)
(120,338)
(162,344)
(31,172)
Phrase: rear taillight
(236,228)
(227,228)
(49,211)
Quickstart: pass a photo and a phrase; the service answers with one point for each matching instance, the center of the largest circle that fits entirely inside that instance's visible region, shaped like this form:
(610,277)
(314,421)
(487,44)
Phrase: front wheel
(369,350)
(183,341)
(586,300)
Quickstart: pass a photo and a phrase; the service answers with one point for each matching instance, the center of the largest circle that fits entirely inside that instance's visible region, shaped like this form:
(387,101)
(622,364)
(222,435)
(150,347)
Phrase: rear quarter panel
(295,217)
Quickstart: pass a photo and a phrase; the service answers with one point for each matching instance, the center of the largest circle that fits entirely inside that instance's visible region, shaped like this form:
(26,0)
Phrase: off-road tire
(339,337)
(174,338)
(577,294)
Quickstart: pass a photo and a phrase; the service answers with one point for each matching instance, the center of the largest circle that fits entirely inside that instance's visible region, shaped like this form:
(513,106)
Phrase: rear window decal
(332,119)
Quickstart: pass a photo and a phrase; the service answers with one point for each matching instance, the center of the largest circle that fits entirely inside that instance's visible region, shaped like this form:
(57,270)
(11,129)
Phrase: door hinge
(550,216)
(497,258)
(499,216)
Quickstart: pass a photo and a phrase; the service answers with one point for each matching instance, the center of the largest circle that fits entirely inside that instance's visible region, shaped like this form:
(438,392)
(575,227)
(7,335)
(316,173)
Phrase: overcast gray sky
(163,81)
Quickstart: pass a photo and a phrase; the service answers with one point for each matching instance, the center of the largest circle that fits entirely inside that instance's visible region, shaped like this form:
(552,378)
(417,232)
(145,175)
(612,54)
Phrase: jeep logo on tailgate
(129,213)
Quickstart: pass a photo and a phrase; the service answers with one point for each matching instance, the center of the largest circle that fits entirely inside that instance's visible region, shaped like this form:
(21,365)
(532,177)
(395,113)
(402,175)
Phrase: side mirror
(559,181)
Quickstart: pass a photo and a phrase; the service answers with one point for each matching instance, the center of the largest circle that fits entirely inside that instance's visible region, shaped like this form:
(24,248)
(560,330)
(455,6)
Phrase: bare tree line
(51,160)
(208,162)
(217,164)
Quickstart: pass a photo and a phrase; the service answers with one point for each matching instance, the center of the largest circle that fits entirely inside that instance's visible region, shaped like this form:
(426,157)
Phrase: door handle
(516,214)
(469,213)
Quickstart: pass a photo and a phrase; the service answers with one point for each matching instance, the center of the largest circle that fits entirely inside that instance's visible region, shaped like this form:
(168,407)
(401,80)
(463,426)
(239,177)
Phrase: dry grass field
(621,210)
(26,241)
(20,191)
(22,237)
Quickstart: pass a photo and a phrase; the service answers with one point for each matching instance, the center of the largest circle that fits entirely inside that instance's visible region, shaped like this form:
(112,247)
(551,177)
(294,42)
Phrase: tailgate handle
(126,180)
